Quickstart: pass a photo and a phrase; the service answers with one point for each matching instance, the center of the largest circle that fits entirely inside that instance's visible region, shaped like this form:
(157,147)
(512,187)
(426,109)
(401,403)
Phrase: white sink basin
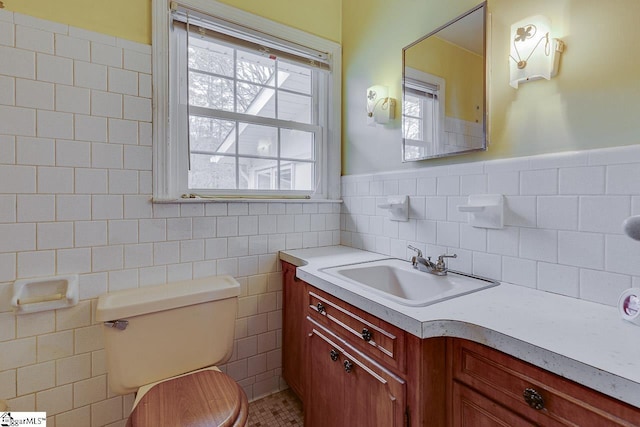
(398,281)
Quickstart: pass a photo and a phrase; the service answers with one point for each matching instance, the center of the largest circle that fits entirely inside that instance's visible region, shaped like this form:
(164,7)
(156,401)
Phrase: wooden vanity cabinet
(488,387)
(294,292)
(395,378)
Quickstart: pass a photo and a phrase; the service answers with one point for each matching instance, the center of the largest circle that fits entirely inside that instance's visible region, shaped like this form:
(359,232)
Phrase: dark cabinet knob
(334,354)
(321,308)
(533,399)
(367,335)
(348,366)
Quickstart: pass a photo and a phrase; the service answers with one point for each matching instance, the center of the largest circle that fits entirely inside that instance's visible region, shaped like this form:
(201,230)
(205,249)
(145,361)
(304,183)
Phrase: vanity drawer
(504,379)
(372,335)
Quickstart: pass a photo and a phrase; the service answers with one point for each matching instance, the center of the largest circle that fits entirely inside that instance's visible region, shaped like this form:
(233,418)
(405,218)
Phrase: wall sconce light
(534,54)
(380,108)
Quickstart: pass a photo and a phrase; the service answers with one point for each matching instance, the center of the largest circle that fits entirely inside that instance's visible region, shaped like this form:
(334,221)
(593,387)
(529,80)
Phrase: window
(246,112)
(422,114)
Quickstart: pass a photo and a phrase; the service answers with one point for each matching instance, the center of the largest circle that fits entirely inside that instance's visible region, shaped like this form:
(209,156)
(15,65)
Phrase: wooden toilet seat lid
(202,399)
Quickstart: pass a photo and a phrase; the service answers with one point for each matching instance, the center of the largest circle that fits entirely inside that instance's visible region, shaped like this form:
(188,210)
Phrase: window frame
(413,79)
(169,154)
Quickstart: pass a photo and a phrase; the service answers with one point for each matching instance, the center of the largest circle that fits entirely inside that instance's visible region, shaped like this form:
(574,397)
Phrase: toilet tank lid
(149,299)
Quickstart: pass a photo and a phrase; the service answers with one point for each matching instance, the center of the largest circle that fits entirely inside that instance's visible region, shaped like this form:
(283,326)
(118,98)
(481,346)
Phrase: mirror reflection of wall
(444,90)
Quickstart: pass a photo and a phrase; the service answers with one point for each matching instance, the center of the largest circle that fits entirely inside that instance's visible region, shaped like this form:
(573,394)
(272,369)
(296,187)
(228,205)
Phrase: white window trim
(164,160)
(421,76)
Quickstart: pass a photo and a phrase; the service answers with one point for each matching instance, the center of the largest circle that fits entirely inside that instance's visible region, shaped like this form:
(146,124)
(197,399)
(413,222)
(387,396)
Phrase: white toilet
(158,339)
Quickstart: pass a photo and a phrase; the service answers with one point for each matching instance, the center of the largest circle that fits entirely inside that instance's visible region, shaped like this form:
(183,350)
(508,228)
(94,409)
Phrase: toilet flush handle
(118,324)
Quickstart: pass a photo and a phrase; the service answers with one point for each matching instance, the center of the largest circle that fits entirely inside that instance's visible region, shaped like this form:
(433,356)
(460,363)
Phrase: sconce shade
(534,54)
(380,108)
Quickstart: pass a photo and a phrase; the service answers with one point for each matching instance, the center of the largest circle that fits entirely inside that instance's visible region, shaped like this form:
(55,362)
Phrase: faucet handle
(441,264)
(413,248)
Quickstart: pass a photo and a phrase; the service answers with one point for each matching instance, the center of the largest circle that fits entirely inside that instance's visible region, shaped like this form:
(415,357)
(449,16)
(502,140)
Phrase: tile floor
(282,409)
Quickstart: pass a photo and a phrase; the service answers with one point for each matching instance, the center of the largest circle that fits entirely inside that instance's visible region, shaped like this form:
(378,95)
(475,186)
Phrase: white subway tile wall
(75,190)
(563,219)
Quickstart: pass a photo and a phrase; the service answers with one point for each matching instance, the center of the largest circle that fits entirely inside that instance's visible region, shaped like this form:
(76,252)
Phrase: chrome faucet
(439,268)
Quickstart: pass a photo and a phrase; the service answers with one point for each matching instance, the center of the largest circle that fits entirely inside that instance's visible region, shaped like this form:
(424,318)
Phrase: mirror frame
(485,103)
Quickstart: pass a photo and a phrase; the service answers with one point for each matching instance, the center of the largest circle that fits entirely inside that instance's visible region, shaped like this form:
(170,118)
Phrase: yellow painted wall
(131,19)
(461,69)
(128,19)
(592,103)
(374,32)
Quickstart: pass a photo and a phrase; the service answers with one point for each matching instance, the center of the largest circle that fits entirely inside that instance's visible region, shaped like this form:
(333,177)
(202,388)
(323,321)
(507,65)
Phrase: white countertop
(583,341)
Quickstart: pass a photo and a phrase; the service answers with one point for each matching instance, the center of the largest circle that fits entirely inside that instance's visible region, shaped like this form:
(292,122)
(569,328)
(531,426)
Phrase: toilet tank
(171,329)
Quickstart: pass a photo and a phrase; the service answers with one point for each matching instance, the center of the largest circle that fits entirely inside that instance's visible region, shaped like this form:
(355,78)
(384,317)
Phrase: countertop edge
(590,374)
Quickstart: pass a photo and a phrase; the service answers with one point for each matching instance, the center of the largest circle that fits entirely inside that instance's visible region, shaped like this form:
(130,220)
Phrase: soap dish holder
(485,210)
(44,293)
(398,207)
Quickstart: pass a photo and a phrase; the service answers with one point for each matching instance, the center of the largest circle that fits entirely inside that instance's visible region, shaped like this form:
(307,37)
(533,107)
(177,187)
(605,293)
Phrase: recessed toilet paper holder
(44,293)
(485,210)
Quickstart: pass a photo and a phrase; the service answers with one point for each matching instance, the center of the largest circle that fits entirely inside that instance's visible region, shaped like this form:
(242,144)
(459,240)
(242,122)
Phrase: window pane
(285,178)
(211,134)
(255,68)
(296,144)
(209,56)
(411,106)
(258,174)
(297,176)
(293,77)
(415,150)
(236,153)
(256,100)
(212,172)
(258,140)
(412,128)
(294,107)
(210,92)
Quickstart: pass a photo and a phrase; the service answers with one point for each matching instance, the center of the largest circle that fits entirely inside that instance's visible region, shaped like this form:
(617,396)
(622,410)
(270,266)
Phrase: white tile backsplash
(17,121)
(72,47)
(73,99)
(54,69)
(89,75)
(34,94)
(35,151)
(617,209)
(7,33)
(106,55)
(54,124)
(559,213)
(33,39)
(563,216)
(17,63)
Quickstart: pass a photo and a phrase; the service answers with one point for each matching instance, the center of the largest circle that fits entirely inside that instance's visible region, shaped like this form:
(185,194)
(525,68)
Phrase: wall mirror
(444,90)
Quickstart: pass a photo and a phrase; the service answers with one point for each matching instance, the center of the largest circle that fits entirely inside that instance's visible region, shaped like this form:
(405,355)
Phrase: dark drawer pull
(348,366)
(334,354)
(533,399)
(367,335)
(321,308)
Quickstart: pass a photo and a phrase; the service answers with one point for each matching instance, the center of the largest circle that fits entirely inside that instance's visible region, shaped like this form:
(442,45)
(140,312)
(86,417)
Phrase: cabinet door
(473,409)
(324,392)
(347,388)
(293,340)
(375,399)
